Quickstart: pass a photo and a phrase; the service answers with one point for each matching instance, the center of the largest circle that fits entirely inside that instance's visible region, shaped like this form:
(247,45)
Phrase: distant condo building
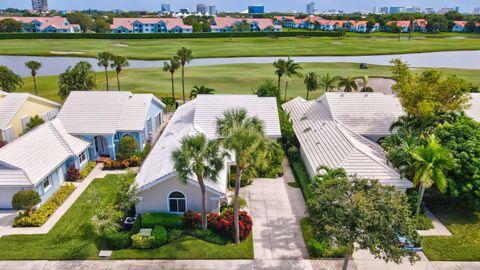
(184,10)
(202,8)
(445,10)
(257,9)
(394,10)
(384,10)
(165,7)
(413,9)
(212,10)
(476,11)
(54,24)
(429,10)
(150,25)
(40,5)
(311,8)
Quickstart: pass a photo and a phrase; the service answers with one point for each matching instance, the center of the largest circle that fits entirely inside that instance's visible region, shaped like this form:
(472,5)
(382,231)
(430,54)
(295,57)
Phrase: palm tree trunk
(307,93)
(278,83)
(173,85)
(118,80)
(286,88)
(183,83)
(422,191)
(204,202)
(35,85)
(236,221)
(345,262)
(106,77)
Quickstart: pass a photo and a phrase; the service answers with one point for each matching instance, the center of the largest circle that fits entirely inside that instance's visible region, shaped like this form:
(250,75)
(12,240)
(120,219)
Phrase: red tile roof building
(54,24)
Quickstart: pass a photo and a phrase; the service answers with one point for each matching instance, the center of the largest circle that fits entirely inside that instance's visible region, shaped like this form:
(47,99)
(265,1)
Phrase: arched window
(177,202)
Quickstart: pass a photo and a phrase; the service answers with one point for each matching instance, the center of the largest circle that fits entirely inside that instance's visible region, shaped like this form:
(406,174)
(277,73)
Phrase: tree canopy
(80,77)
(10,25)
(9,81)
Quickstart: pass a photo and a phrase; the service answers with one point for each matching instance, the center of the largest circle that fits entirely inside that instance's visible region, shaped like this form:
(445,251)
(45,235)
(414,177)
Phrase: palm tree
(365,87)
(325,173)
(34,66)
(327,82)
(171,67)
(291,69)
(118,63)
(200,157)
(201,90)
(431,161)
(280,67)
(104,59)
(244,136)
(184,56)
(311,82)
(348,84)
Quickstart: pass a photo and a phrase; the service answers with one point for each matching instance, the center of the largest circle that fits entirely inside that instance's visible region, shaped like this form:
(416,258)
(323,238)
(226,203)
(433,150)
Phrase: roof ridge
(60,137)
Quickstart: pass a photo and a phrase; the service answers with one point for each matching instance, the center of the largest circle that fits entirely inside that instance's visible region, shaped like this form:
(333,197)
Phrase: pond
(454,59)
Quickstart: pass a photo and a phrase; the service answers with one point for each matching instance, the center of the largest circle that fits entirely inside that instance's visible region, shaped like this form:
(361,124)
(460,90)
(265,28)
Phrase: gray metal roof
(326,141)
(211,107)
(33,156)
(10,104)
(105,112)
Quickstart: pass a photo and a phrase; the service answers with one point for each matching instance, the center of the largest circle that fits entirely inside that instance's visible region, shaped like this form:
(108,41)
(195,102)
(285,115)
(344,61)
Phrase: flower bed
(133,161)
(40,216)
(86,171)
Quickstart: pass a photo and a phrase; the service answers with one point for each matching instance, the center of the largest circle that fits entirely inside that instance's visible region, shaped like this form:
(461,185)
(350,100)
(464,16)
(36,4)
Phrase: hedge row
(301,176)
(40,216)
(161,35)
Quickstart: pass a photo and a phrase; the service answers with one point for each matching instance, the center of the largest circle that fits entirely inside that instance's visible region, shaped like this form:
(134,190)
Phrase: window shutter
(9,134)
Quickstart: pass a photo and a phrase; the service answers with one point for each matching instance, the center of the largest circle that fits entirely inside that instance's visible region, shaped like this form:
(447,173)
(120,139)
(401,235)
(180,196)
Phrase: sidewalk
(438,228)
(45,228)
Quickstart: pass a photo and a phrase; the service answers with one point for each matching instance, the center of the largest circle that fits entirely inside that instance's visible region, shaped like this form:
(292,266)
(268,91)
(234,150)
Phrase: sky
(231,5)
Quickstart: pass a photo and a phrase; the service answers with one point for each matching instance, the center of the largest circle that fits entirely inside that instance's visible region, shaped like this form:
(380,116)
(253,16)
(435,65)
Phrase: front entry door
(101,146)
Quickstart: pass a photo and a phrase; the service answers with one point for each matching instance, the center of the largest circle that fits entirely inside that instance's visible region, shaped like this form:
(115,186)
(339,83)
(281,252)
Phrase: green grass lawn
(464,224)
(225,79)
(224,47)
(73,238)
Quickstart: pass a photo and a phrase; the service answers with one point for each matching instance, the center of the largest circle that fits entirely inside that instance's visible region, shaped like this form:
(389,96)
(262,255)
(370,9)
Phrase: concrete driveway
(276,210)
(6,219)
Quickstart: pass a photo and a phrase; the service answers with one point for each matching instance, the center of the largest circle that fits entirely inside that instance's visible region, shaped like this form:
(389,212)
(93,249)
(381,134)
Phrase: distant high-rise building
(184,10)
(311,8)
(374,10)
(476,10)
(212,10)
(258,9)
(445,10)
(457,9)
(413,9)
(202,8)
(40,5)
(384,10)
(394,10)
(429,10)
(165,7)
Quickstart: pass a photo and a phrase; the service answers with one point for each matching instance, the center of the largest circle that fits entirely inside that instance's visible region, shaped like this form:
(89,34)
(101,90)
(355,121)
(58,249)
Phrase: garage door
(6,195)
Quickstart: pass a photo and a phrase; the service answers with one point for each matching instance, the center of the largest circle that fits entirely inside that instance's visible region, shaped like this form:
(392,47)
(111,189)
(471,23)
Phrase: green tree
(362,214)
(85,21)
(80,77)
(268,89)
(127,147)
(291,69)
(9,25)
(9,81)
(348,83)
(106,220)
(34,66)
(437,23)
(280,68)
(200,157)
(341,33)
(34,122)
(431,162)
(170,102)
(171,67)
(101,25)
(118,63)
(328,83)
(104,60)
(311,82)
(184,55)
(370,25)
(25,200)
(244,136)
(201,90)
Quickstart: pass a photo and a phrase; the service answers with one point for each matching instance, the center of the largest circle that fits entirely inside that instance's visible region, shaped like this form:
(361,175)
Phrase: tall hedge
(161,35)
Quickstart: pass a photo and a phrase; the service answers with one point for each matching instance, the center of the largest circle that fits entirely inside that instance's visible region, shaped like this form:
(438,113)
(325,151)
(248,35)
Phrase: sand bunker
(120,45)
(67,52)
(383,85)
(337,43)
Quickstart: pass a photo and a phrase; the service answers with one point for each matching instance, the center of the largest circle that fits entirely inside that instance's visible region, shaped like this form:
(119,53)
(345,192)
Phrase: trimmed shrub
(223,224)
(73,174)
(137,225)
(143,242)
(174,234)
(146,150)
(40,216)
(211,236)
(127,147)
(423,222)
(161,237)
(25,200)
(192,220)
(318,249)
(88,168)
(167,220)
(134,161)
(109,164)
(117,240)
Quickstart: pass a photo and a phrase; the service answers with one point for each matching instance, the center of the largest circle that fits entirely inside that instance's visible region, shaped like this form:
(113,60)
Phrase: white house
(39,161)
(104,117)
(333,131)
(159,188)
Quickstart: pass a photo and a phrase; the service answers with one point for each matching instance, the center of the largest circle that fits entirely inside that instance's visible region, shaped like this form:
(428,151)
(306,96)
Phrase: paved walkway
(276,210)
(7,216)
(438,228)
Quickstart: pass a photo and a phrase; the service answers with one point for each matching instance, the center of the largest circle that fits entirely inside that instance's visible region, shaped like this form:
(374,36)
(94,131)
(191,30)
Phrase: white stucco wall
(155,199)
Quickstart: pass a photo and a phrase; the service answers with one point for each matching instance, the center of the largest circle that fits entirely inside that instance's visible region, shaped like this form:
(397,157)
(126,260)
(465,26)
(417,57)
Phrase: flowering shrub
(221,223)
(40,216)
(88,168)
(133,161)
(73,173)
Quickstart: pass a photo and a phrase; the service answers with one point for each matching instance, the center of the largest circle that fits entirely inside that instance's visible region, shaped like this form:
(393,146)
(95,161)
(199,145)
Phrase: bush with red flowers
(223,224)
(73,173)
(192,220)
